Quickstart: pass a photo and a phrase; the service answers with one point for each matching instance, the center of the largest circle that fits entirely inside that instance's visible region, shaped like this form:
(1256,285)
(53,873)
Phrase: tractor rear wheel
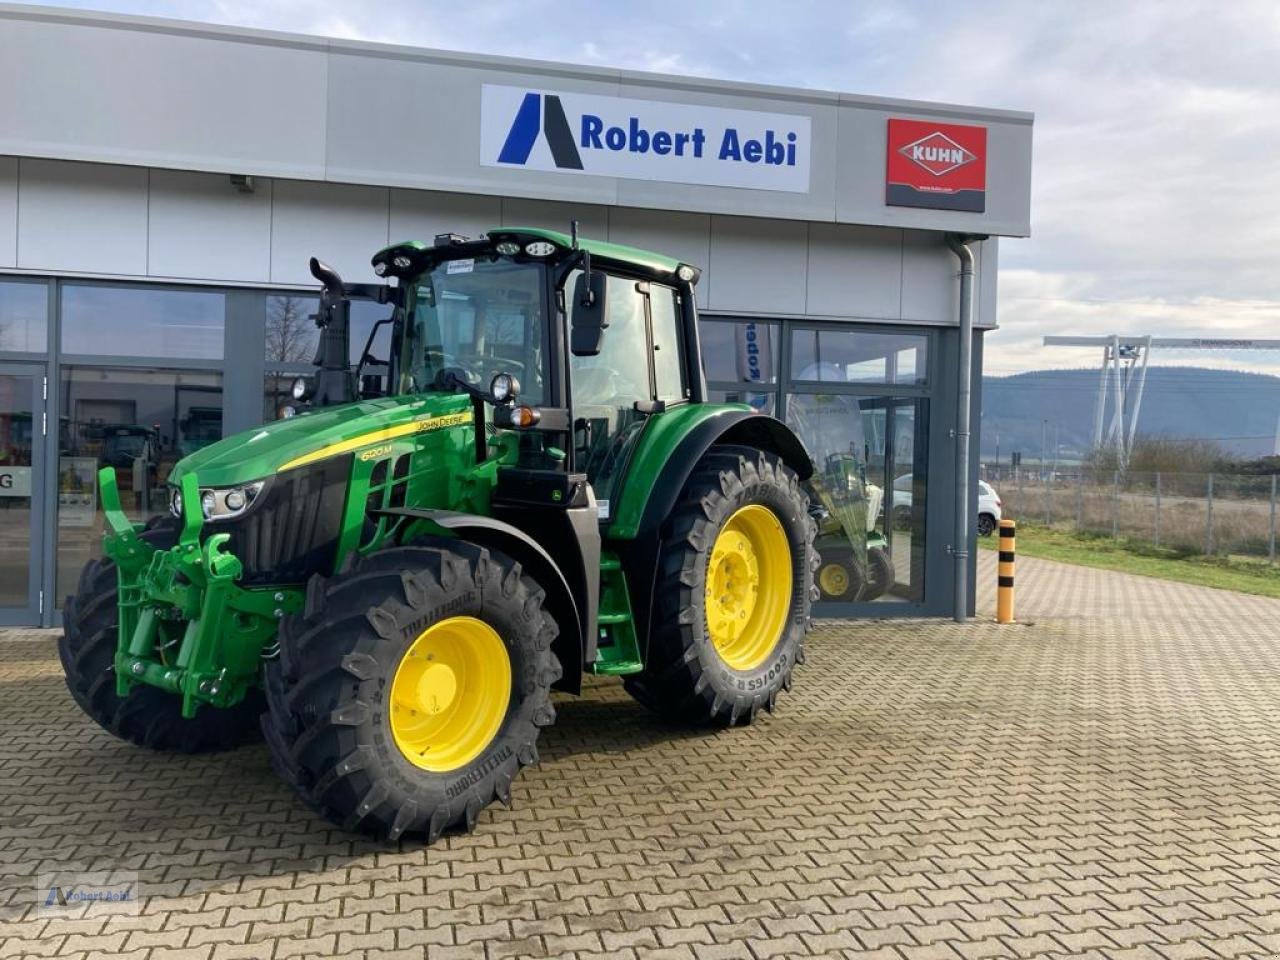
(412,688)
(734,590)
(148,717)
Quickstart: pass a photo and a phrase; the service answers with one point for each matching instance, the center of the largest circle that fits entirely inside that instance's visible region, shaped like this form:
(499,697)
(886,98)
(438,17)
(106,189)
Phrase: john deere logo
(541,114)
(937,153)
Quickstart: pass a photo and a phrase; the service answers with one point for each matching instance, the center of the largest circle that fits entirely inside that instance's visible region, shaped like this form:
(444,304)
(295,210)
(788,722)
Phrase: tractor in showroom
(389,582)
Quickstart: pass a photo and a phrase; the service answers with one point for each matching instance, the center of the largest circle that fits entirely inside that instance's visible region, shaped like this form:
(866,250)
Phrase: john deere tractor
(390,581)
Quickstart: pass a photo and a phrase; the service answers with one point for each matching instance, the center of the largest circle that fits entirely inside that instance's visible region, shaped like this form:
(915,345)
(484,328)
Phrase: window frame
(644,287)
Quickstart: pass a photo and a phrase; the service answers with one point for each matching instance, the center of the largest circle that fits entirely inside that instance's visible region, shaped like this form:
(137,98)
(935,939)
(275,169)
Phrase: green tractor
(390,583)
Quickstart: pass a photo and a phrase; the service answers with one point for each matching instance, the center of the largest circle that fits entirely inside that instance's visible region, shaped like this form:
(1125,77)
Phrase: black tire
(986,524)
(838,578)
(880,573)
(148,717)
(327,724)
(685,677)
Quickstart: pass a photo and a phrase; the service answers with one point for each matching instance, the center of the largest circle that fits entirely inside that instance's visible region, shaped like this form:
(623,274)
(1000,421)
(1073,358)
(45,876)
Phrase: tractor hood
(318,434)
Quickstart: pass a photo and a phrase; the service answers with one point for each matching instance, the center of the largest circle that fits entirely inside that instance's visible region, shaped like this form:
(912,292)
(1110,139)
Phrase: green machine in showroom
(389,584)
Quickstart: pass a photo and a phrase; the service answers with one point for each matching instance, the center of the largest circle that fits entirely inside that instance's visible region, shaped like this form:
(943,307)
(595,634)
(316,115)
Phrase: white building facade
(163,185)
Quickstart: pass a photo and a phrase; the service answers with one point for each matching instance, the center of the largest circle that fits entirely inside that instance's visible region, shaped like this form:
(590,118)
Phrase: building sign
(578,133)
(755,352)
(942,166)
(15,481)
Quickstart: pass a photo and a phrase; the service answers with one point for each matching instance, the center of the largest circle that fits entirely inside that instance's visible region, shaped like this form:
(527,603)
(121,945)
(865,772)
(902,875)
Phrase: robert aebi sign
(643,139)
(942,166)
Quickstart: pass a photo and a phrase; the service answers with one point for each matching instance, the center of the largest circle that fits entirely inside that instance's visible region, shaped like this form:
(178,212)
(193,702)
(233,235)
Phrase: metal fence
(1209,513)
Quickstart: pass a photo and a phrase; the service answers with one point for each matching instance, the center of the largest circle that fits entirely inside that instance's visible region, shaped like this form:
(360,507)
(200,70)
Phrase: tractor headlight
(222,503)
(540,248)
(504,387)
(300,389)
(508,248)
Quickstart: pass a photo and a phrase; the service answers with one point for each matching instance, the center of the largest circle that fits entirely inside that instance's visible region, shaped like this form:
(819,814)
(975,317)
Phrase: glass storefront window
(764,402)
(739,351)
(142,322)
(18,429)
(869,475)
(853,356)
(139,421)
(24,316)
(292,339)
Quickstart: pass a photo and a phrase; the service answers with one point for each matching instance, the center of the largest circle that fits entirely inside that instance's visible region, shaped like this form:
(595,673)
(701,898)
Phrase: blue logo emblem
(541,114)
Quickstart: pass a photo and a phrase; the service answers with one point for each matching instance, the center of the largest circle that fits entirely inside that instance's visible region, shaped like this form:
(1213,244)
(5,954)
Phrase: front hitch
(187,598)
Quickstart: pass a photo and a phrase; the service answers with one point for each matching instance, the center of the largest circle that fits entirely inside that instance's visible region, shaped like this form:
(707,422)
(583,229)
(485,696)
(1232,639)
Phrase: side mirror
(589,314)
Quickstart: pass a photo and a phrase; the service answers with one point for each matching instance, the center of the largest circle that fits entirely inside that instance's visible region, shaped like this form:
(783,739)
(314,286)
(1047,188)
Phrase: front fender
(574,640)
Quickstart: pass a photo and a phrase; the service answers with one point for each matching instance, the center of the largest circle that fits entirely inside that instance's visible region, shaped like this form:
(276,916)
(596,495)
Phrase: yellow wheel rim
(450,694)
(833,579)
(748,592)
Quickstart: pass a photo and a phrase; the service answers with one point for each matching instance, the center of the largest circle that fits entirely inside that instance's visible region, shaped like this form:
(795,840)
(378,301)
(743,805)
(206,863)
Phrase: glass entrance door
(22,431)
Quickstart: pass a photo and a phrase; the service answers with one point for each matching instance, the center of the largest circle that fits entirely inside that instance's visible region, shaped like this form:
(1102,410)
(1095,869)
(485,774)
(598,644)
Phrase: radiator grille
(292,531)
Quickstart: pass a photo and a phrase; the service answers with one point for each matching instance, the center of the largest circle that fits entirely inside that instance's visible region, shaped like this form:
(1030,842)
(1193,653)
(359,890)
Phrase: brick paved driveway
(1102,782)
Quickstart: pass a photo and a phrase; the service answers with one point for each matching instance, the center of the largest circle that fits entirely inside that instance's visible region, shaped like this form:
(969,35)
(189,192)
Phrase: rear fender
(637,531)
(733,427)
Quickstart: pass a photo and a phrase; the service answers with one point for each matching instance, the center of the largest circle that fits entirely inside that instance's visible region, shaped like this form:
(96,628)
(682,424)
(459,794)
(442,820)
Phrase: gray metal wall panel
(686,236)
(201,227)
(854,271)
(860,185)
(986,316)
(593,219)
(81,217)
(342,225)
(422,214)
(118,89)
(817,204)
(760,265)
(8,211)
(929,289)
(370,141)
(165,99)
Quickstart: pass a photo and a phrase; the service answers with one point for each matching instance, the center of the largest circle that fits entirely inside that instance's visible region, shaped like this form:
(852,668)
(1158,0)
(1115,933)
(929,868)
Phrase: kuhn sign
(942,166)
(643,139)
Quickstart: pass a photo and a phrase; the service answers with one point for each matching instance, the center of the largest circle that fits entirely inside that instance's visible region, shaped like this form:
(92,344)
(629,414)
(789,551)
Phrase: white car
(989,505)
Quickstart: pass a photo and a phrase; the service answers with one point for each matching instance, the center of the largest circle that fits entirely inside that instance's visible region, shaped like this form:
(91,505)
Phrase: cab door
(638,372)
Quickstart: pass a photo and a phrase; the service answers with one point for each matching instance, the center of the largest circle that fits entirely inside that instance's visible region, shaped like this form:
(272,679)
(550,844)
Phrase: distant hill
(1237,409)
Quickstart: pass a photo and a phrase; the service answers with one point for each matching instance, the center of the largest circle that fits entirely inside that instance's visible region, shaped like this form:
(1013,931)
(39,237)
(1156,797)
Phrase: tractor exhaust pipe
(335,381)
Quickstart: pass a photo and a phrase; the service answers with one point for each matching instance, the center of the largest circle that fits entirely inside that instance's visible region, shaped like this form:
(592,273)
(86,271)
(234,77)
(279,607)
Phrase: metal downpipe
(959,244)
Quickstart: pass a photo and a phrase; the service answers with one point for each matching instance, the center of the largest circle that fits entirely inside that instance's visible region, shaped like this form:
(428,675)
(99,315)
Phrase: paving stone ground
(1102,780)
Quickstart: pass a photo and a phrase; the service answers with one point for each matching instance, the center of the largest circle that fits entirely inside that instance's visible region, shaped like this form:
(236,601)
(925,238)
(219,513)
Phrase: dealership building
(164,184)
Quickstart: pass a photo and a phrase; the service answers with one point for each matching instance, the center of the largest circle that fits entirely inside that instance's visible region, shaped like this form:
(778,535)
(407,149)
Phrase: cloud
(1156,197)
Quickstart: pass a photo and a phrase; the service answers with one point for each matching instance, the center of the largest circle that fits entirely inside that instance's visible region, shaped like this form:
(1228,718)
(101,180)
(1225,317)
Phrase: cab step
(617,651)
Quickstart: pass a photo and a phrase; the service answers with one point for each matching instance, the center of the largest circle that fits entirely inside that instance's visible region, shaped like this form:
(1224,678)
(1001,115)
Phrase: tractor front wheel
(735,586)
(411,689)
(148,717)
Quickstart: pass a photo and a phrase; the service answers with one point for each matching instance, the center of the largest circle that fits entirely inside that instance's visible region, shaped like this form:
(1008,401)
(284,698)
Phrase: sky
(1156,181)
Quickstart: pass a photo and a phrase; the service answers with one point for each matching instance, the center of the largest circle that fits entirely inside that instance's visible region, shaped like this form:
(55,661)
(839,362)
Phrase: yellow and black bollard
(1004,588)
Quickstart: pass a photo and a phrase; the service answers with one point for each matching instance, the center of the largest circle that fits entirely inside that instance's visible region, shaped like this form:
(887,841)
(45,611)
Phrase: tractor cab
(592,339)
